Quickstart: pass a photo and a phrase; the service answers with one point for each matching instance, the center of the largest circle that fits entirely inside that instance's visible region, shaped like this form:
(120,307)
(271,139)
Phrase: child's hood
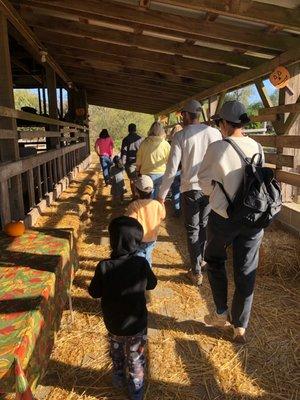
(126,235)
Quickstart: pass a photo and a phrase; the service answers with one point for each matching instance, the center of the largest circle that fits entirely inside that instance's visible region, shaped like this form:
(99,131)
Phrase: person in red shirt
(104,147)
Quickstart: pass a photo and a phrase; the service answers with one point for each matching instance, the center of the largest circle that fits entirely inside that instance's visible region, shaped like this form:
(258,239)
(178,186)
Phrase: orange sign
(280,77)
(80,112)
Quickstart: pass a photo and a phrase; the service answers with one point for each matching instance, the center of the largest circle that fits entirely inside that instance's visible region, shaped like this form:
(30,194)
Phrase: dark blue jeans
(175,190)
(157,180)
(106,163)
(245,241)
(146,250)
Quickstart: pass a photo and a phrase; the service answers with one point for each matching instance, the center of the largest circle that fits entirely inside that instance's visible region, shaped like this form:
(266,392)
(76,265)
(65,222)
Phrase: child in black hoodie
(121,282)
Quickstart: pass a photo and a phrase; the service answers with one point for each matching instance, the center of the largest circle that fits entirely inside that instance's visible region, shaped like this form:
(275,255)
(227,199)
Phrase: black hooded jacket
(122,280)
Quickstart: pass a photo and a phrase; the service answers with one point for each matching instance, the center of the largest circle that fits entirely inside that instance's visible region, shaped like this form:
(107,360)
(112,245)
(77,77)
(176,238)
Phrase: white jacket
(222,164)
(188,147)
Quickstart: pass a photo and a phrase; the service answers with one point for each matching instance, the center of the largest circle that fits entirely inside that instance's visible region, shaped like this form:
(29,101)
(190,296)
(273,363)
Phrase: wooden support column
(212,105)
(11,195)
(52,143)
(292,127)
(267,102)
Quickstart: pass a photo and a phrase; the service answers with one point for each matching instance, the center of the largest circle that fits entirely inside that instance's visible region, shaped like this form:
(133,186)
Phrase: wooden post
(45,179)
(9,149)
(40,101)
(61,103)
(44,101)
(212,106)
(52,143)
(292,127)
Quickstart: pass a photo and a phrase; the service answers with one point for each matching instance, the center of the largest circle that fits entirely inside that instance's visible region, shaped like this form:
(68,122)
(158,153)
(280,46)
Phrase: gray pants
(195,210)
(245,243)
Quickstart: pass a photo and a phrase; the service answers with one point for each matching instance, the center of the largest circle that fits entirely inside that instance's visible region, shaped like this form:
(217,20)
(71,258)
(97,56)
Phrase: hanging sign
(280,77)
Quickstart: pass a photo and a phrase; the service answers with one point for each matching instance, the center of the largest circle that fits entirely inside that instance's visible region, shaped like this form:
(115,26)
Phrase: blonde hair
(156,129)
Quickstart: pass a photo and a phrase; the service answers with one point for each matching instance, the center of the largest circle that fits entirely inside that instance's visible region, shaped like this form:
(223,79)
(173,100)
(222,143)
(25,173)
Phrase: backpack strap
(238,150)
(224,192)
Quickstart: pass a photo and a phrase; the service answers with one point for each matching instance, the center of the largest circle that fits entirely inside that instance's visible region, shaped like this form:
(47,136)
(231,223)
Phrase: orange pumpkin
(280,77)
(14,229)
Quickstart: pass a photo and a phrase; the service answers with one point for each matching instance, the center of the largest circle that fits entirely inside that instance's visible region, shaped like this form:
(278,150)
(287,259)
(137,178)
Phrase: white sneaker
(239,335)
(219,320)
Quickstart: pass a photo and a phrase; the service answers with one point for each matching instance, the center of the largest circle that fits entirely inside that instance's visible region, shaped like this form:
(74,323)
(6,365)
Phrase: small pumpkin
(280,77)
(15,228)
(80,112)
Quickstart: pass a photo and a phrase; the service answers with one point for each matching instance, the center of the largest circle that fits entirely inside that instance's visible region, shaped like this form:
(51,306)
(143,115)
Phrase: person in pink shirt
(104,147)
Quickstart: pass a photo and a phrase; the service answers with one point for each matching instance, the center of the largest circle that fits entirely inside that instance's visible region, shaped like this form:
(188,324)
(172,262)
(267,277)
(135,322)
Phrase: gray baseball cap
(192,106)
(233,111)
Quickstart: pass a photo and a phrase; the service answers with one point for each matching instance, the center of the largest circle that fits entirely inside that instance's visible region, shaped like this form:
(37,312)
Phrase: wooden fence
(41,173)
(278,159)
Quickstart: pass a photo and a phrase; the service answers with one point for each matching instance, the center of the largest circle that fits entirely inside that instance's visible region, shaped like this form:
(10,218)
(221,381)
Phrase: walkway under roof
(149,56)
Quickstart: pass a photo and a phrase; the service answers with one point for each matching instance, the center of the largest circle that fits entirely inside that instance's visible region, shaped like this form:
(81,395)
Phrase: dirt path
(187,361)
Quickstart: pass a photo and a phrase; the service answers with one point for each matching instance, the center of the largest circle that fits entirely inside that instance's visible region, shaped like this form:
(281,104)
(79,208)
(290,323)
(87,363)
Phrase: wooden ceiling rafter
(202,53)
(107,35)
(253,11)
(289,57)
(32,42)
(94,59)
(155,20)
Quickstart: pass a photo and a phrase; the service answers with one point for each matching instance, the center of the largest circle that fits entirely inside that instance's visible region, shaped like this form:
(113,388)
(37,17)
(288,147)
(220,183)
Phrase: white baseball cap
(192,106)
(144,183)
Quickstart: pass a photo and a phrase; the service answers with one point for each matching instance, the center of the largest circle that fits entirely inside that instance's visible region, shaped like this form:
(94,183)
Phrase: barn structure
(147,56)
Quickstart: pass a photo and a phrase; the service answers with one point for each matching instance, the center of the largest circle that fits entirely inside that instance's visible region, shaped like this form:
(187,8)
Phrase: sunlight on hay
(186,360)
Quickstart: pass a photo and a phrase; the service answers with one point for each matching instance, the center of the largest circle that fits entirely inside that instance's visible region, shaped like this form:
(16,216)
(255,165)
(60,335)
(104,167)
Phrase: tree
(26,97)
(243,95)
(116,121)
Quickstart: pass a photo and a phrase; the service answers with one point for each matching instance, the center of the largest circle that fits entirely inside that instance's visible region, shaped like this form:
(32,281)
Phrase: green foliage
(243,95)
(26,97)
(116,122)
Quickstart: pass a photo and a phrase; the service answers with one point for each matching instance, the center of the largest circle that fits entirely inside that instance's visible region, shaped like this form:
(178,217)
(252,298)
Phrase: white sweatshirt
(222,164)
(188,147)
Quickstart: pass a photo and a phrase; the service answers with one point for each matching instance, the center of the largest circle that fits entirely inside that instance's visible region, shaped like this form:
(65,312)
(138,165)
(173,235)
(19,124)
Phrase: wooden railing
(276,157)
(41,173)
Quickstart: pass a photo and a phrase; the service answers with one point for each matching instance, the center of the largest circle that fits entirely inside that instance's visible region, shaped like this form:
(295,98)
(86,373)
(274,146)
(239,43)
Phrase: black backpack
(258,198)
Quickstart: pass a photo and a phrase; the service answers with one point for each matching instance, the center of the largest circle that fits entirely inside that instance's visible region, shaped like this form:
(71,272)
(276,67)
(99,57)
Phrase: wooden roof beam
(115,83)
(203,53)
(127,71)
(33,43)
(24,67)
(118,106)
(289,57)
(94,60)
(58,25)
(254,11)
(153,20)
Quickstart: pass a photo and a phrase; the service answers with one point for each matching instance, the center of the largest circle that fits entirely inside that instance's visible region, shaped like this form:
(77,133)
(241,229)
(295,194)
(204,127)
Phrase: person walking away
(121,282)
(104,147)
(220,175)
(149,213)
(130,145)
(188,148)
(153,155)
(117,181)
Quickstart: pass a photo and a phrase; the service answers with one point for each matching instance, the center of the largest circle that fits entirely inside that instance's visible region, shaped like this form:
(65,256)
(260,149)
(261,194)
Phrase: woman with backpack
(221,176)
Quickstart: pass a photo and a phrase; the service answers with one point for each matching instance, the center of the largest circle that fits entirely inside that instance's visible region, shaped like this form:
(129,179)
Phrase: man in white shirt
(188,148)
